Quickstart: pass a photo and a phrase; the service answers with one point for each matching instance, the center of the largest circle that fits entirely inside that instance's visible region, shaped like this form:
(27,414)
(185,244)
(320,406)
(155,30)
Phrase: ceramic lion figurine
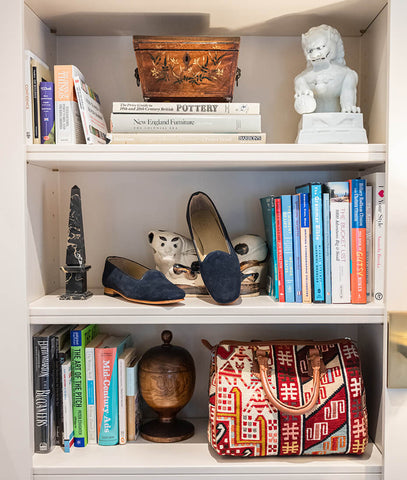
(327,84)
(175,256)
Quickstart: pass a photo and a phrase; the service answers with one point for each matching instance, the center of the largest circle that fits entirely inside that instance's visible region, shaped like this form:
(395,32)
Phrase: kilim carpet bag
(286,398)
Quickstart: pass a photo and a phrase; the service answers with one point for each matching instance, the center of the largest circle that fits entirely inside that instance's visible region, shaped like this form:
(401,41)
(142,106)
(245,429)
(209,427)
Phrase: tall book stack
(174,122)
(326,242)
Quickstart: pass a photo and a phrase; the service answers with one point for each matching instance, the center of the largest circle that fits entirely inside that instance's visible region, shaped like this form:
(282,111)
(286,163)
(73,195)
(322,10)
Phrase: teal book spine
(288,252)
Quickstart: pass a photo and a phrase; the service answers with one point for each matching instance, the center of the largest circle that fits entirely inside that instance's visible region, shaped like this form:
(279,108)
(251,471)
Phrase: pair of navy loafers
(219,264)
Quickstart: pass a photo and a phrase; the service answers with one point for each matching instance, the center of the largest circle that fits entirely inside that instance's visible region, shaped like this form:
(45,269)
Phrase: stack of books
(65,111)
(326,242)
(177,122)
(85,388)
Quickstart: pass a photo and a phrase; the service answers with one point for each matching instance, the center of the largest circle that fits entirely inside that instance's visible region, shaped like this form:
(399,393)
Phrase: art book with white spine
(143,122)
(187,107)
(378,182)
(93,121)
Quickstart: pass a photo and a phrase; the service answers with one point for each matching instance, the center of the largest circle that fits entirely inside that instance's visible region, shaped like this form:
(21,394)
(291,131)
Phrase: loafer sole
(114,293)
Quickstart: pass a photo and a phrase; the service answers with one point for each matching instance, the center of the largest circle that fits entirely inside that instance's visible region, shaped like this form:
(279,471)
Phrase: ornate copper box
(196,69)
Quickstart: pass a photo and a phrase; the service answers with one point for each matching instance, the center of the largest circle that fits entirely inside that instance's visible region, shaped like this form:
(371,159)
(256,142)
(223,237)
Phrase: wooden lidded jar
(166,375)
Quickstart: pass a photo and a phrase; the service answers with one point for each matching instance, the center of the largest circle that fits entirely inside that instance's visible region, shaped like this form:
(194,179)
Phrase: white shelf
(102,309)
(163,157)
(193,457)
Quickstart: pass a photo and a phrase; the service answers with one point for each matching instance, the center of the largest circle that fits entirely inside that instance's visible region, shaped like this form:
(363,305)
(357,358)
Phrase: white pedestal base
(332,127)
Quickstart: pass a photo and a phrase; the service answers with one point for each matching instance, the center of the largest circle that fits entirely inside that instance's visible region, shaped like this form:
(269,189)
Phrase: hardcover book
(133,404)
(107,398)
(80,337)
(44,389)
(369,243)
(327,246)
(91,386)
(288,253)
(306,273)
(66,374)
(317,246)
(68,124)
(378,183)
(297,246)
(93,121)
(189,138)
(159,123)
(265,203)
(47,109)
(40,73)
(62,346)
(227,108)
(340,241)
(357,190)
(279,248)
(125,359)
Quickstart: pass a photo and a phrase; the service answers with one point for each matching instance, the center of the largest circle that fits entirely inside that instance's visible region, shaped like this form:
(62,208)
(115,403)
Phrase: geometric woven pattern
(243,423)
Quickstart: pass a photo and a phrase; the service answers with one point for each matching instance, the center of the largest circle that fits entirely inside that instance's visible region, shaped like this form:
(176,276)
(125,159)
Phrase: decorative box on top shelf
(200,69)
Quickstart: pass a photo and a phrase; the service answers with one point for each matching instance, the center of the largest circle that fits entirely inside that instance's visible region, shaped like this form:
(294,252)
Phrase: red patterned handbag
(286,398)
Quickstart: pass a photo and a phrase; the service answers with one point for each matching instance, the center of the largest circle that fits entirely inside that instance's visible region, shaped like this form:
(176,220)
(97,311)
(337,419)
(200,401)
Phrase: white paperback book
(187,107)
(378,182)
(28,107)
(184,123)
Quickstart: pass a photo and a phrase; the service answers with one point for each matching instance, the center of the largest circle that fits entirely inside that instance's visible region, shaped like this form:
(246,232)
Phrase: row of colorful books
(326,242)
(60,108)
(185,122)
(85,388)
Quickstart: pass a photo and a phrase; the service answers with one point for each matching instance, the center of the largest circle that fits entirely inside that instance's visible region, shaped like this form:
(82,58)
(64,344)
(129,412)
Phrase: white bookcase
(129,189)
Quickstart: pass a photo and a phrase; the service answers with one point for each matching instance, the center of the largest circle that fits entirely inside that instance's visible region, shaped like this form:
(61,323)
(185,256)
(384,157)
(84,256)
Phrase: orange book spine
(357,189)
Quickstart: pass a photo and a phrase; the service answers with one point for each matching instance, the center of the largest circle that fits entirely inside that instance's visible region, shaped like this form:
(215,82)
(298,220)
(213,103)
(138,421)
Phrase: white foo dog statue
(326,91)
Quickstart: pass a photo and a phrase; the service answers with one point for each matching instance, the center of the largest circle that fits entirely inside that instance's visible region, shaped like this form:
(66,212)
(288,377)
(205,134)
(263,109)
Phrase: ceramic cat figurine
(175,257)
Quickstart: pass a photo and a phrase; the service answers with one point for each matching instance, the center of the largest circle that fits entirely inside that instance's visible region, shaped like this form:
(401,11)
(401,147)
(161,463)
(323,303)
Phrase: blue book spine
(47,112)
(274,248)
(317,243)
(297,247)
(327,247)
(265,203)
(288,251)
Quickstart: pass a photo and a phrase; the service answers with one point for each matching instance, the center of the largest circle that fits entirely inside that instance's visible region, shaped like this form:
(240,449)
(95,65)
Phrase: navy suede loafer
(137,283)
(219,264)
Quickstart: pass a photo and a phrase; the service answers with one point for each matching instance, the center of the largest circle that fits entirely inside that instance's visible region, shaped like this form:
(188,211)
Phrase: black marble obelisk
(75,269)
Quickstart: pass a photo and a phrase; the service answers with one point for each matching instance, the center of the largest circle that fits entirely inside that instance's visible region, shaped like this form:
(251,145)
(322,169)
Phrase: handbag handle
(315,362)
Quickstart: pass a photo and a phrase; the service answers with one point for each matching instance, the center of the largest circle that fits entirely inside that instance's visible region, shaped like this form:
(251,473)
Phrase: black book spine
(43,363)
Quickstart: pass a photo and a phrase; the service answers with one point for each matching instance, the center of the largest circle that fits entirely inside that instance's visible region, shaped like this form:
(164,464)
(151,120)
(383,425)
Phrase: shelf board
(162,157)
(193,457)
(102,309)
(209,17)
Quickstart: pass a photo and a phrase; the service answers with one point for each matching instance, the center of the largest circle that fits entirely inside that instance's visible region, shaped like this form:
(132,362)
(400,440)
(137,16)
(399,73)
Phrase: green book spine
(80,337)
